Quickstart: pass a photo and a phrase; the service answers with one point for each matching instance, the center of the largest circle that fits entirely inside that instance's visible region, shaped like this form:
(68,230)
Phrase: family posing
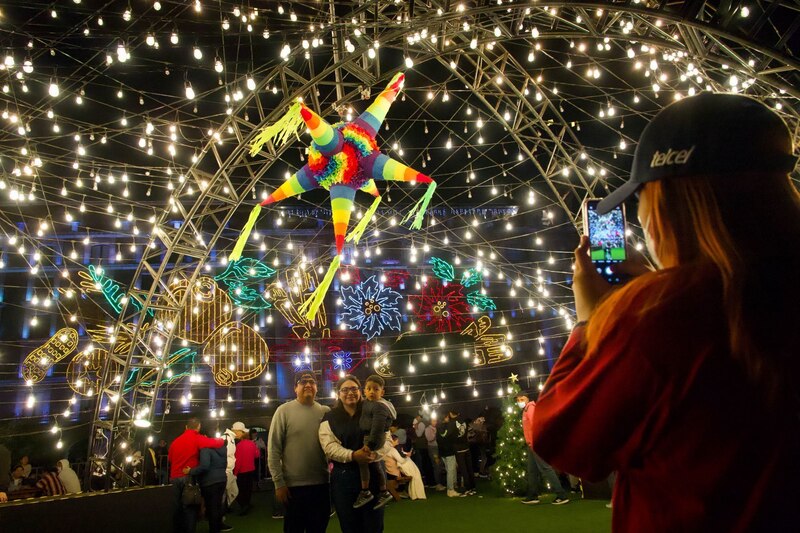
(300,448)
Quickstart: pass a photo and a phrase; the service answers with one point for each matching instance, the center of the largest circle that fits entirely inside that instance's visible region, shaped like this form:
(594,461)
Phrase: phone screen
(606,237)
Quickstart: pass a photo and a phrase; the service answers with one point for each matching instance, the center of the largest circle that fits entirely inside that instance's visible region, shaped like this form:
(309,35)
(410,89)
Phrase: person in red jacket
(684,379)
(245,469)
(184,454)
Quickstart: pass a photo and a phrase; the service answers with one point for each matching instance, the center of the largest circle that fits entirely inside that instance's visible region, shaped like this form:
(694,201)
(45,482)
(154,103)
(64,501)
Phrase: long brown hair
(743,232)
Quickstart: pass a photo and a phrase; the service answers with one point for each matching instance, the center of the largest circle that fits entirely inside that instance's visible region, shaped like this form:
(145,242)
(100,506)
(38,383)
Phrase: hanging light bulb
(53,90)
(122,52)
(198,54)
(189,91)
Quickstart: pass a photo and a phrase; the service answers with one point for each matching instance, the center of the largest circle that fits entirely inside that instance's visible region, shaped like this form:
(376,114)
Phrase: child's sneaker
(364,497)
(383,498)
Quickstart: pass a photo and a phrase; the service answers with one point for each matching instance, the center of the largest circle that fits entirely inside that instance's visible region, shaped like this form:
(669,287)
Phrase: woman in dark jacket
(342,441)
(212,479)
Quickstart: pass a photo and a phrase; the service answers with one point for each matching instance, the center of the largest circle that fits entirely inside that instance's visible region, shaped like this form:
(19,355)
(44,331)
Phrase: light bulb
(54,90)
(189,91)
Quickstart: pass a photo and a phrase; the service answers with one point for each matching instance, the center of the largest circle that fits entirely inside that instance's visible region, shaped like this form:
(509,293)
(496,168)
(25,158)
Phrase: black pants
(309,509)
(212,495)
(346,484)
(423,461)
(244,480)
(184,519)
(464,460)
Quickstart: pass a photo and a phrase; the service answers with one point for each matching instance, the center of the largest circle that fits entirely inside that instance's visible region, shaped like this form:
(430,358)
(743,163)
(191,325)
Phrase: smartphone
(606,238)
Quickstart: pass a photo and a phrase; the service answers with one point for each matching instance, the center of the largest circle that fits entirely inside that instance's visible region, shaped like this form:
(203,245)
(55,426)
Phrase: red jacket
(664,404)
(527,421)
(246,456)
(185,451)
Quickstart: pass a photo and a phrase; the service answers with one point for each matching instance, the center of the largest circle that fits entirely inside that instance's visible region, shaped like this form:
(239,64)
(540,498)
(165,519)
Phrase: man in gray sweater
(296,461)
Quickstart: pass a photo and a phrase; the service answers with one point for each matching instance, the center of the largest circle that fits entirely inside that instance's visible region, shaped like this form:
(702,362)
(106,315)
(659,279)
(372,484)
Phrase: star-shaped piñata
(342,159)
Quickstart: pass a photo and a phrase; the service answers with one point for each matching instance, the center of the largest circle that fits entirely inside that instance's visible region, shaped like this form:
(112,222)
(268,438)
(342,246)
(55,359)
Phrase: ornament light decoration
(236,353)
(41,360)
(343,158)
(207,308)
(441,308)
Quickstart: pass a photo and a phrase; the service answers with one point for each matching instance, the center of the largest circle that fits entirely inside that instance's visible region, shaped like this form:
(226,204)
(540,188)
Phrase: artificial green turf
(487,512)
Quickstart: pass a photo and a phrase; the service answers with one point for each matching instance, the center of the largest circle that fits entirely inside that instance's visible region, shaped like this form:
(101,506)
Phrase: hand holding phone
(607,243)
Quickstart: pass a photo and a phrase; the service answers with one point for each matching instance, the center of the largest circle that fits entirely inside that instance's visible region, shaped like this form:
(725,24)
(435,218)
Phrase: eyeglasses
(348,390)
(307,382)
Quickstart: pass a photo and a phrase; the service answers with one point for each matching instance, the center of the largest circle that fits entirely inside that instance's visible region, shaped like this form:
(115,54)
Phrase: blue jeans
(345,485)
(538,469)
(450,468)
(184,519)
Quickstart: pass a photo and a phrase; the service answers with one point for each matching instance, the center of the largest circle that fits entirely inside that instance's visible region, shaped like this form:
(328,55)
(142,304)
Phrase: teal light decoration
(442,269)
(484,303)
(238,277)
(180,364)
(112,291)
(470,277)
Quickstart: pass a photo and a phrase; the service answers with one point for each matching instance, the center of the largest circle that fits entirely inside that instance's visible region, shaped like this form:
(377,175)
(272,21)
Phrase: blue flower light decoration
(370,308)
(342,360)
(301,363)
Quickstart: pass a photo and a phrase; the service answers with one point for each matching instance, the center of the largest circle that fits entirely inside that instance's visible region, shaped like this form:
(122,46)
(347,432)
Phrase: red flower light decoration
(442,308)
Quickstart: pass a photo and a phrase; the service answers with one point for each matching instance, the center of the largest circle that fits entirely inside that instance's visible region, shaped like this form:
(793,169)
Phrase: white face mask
(521,405)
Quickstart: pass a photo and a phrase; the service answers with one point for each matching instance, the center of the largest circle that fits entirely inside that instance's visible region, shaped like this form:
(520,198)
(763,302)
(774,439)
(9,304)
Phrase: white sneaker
(454,494)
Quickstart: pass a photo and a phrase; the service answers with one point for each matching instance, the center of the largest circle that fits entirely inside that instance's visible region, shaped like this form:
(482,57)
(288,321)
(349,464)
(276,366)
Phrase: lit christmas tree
(510,474)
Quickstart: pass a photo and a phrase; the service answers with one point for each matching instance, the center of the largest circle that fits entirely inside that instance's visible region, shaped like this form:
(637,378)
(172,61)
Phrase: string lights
(140,163)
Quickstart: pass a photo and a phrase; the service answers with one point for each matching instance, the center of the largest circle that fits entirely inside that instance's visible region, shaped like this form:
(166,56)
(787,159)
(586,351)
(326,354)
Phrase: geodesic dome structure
(127,136)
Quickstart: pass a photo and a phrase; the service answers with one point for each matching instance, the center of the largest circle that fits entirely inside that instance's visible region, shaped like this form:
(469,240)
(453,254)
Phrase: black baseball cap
(303,375)
(707,135)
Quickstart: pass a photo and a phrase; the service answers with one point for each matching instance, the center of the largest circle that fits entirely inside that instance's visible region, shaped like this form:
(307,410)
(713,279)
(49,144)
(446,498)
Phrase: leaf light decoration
(238,278)
(442,269)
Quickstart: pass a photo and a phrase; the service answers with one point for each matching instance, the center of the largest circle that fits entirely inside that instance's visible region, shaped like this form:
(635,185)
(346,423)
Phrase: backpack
(477,432)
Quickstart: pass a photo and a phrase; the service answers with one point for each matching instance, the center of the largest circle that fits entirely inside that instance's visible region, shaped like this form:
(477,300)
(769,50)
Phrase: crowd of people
(351,460)
(680,385)
(673,385)
(56,480)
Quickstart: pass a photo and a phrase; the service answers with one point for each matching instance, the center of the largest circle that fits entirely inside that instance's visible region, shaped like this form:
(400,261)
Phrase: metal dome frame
(539,129)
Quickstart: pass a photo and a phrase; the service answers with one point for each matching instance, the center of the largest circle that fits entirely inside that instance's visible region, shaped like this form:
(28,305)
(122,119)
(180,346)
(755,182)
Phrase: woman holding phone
(684,380)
